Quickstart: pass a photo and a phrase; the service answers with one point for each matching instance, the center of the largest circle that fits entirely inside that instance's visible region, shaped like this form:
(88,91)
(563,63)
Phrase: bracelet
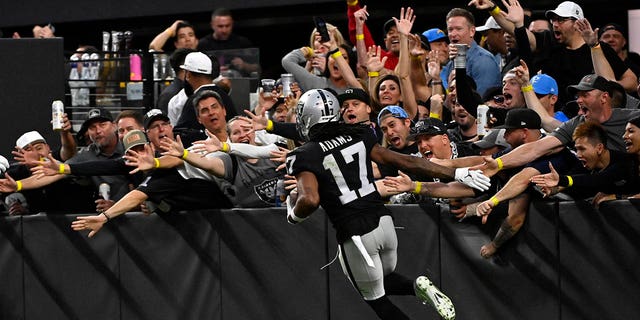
(436,82)
(309,52)
(495,11)
(373,74)
(434,115)
(570,181)
(185,153)
(330,53)
(596,46)
(105,215)
(336,54)
(359,36)
(61,168)
(527,88)
(269,126)
(494,200)
(500,164)
(156,163)
(225,147)
(352,2)
(18,185)
(418,187)
(417,58)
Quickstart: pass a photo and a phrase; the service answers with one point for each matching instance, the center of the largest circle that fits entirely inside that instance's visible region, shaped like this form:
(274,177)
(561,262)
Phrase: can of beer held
(57,113)
(481,120)
(286,79)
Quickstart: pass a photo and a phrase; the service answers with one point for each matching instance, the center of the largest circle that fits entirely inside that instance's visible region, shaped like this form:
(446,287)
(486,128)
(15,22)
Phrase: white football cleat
(429,293)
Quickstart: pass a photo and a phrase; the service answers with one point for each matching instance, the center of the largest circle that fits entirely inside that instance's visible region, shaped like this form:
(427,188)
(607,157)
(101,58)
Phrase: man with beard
(396,127)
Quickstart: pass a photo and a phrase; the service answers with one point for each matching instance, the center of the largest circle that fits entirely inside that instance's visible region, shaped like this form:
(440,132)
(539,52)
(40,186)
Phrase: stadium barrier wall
(569,261)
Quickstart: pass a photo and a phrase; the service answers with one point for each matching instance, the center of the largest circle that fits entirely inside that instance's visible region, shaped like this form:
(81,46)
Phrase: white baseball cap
(197,62)
(490,24)
(29,138)
(567,9)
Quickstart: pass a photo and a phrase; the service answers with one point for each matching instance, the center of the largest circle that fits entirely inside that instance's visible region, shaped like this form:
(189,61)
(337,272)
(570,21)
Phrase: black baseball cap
(588,83)
(95,115)
(353,93)
(520,118)
(428,127)
(387,26)
(152,115)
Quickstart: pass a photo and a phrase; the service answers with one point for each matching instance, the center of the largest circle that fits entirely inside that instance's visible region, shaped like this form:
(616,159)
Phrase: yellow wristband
(359,36)
(18,185)
(500,164)
(156,163)
(494,200)
(352,3)
(185,153)
(495,11)
(269,126)
(418,57)
(418,187)
(373,74)
(337,54)
(225,147)
(527,88)
(596,46)
(61,169)
(434,115)
(570,180)
(309,52)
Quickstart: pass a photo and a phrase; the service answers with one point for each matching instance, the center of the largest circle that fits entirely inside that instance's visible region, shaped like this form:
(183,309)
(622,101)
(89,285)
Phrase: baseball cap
(354,93)
(94,115)
(29,138)
(435,34)
(197,62)
(428,127)
(521,118)
(134,138)
(489,24)
(494,138)
(567,9)
(387,26)
(588,83)
(612,26)
(392,111)
(152,115)
(544,84)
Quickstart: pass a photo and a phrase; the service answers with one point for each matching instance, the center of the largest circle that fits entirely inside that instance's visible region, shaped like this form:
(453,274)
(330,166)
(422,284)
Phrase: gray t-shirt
(614,127)
(254,184)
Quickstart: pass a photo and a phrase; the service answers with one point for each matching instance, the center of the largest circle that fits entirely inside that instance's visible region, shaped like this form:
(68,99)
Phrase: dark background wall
(568,262)
(275,26)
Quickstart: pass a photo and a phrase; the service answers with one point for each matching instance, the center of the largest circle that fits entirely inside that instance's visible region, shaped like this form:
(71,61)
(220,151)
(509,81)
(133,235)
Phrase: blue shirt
(481,66)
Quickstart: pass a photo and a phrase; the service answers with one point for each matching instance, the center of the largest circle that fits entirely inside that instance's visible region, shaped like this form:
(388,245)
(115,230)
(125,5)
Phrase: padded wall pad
(67,275)
(599,259)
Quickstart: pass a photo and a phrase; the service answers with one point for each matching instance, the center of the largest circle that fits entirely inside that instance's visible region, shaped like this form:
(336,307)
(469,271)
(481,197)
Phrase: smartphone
(321,26)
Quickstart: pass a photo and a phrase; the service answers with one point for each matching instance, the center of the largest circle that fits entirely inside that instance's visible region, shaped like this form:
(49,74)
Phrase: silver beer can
(286,79)
(57,115)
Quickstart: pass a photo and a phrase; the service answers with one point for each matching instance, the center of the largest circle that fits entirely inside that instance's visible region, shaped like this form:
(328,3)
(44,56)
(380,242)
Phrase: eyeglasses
(560,20)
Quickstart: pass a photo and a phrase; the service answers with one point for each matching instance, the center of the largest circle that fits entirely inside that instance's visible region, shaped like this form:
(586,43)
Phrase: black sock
(385,309)
(398,285)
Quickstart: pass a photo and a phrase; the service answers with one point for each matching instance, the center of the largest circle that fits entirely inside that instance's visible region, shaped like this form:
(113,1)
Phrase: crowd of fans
(562,117)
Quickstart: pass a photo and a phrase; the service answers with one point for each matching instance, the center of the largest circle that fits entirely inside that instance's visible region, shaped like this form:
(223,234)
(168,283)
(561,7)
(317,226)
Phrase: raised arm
(549,123)
(161,39)
(403,69)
